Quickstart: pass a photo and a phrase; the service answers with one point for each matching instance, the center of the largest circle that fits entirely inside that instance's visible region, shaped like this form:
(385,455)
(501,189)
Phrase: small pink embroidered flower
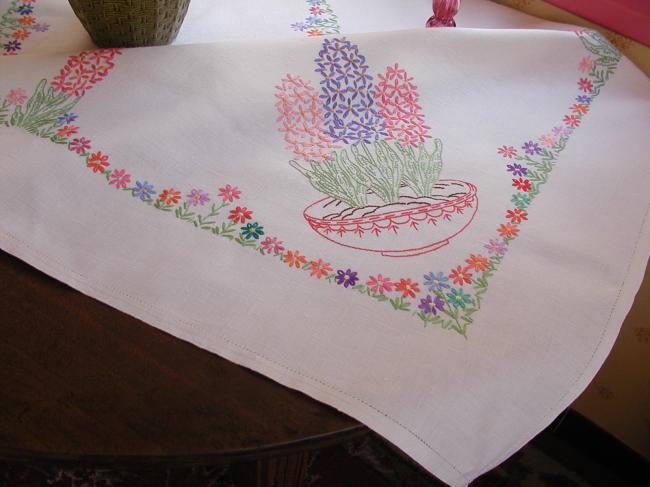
(17,96)
(547,140)
(319,268)
(380,284)
(585,85)
(67,131)
(407,287)
(79,145)
(585,64)
(517,215)
(507,151)
(477,262)
(170,196)
(315,10)
(508,230)
(240,214)
(229,193)
(271,245)
(119,178)
(197,197)
(294,259)
(571,121)
(521,184)
(461,276)
(579,108)
(97,161)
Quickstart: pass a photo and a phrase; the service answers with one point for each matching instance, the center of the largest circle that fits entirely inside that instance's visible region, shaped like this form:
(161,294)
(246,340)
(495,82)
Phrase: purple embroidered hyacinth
(347,94)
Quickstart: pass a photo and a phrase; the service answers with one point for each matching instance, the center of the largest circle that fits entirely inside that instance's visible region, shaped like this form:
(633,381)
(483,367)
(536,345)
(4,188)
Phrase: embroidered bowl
(410,227)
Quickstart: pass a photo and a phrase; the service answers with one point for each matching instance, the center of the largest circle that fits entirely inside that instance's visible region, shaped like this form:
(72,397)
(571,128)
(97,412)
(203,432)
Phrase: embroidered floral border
(321,20)
(448,299)
(17,24)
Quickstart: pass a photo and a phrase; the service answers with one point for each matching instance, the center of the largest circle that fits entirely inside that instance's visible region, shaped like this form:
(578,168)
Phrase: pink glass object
(443,13)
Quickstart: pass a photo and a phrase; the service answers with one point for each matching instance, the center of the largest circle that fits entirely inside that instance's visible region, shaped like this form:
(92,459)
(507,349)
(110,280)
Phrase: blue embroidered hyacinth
(347,94)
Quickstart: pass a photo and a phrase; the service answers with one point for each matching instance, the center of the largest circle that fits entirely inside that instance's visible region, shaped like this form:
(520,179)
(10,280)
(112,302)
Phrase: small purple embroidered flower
(197,197)
(583,99)
(40,27)
(562,131)
(11,46)
(143,190)
(431,305)
(299,26)
(66,118)
(436,282)
(496,247)
(25,9)
(79,145)
(347,278)
(517,169)
(531,148)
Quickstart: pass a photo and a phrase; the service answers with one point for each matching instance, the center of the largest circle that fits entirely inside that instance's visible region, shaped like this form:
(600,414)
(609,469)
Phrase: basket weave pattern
(131,23)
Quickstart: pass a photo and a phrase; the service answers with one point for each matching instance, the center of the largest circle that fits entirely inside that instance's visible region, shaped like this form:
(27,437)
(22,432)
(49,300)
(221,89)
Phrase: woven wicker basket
(131,23)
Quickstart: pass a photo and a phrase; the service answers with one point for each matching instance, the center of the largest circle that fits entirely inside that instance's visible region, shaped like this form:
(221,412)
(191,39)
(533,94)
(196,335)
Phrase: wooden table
(83,382)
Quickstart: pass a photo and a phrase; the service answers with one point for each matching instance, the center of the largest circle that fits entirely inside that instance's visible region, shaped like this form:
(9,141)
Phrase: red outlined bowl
(399,233)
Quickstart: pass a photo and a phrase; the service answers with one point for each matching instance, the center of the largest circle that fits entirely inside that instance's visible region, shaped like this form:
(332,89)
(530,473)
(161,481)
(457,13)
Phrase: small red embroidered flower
(517,215)
(67,131)
(508,230)
(294,259)
(319,268)
(521,184)
(240,215)
(579,108)
(97,161)
(571,120)
(507,151)
(314,32)
(407,287)
(461,276)
(170,196)
(477,262)
(585,85)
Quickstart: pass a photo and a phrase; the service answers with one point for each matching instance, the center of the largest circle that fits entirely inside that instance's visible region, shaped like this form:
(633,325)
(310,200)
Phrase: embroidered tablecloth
(438,232)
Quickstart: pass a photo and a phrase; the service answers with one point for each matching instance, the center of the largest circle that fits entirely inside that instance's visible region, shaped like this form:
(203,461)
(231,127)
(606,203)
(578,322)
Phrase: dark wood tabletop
(80,380)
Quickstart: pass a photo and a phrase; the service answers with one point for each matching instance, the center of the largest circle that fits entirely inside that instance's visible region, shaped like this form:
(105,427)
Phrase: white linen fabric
(158,180)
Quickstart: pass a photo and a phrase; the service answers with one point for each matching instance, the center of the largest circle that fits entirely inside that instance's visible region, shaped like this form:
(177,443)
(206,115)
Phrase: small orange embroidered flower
(67,131)
(508,230)
(294,259)
(461,276)
(319,268)
(516,215)
(170,196)
(97,161)
(21,34)
(579,108)
(26,20)
(407,287)
(477,262)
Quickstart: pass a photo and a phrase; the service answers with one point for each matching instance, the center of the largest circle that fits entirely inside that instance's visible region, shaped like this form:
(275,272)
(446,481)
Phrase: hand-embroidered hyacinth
(397,101)
(84,70)
(347,93)
(301,120)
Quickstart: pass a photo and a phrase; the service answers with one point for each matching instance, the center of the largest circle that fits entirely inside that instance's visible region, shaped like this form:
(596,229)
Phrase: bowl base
(412,252)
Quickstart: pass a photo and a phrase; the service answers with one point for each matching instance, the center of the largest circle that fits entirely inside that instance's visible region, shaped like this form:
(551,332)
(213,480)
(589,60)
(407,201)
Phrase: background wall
(618,399)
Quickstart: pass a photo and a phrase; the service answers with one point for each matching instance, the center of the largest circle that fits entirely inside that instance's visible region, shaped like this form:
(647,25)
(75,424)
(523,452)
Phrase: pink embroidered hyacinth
(397,101)
(84,70)
(301,120)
